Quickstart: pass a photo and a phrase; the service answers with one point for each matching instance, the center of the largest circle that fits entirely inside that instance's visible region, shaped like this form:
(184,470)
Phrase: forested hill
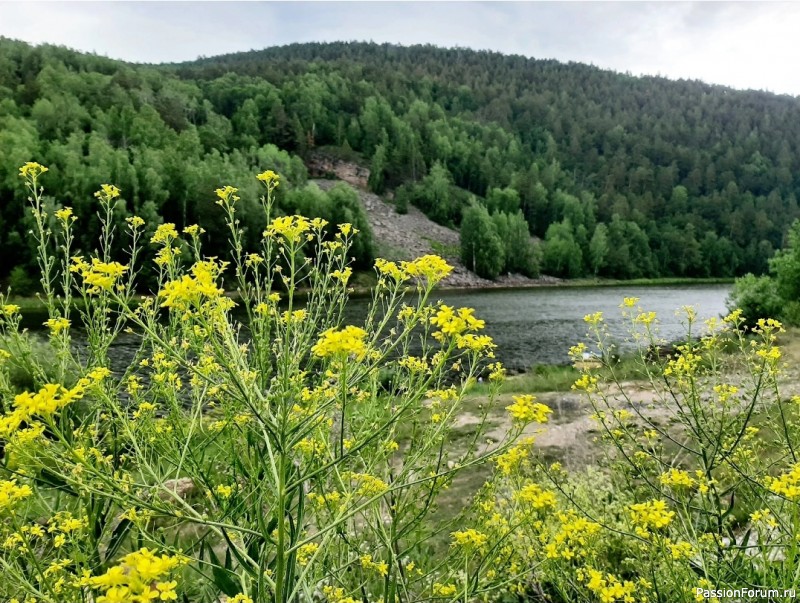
(620,176)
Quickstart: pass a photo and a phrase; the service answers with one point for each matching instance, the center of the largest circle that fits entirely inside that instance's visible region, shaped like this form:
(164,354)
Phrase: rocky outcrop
(323,166)
(410,235)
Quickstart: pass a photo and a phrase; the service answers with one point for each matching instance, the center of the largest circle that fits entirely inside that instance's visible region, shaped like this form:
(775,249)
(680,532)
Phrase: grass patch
(443,250)
(559,378)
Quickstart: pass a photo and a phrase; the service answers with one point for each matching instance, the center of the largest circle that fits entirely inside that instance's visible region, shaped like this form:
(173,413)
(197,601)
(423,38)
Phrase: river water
(537,325)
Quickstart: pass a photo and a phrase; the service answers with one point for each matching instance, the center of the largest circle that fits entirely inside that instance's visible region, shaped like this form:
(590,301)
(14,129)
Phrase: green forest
(617,176)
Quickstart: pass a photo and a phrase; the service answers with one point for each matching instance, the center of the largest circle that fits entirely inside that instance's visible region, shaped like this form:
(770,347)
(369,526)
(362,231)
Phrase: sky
(744,45)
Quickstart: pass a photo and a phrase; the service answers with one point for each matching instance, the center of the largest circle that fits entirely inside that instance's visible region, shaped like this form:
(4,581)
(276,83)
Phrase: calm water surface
(537,326)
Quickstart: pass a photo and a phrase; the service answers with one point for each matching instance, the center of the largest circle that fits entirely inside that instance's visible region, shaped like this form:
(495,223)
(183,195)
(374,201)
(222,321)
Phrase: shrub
(20,282)
(757,297)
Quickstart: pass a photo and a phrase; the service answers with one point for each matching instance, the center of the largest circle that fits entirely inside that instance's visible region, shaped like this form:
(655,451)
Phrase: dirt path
(569,435)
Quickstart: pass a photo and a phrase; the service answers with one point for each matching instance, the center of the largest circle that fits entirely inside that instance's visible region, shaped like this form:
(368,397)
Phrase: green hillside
(619,176)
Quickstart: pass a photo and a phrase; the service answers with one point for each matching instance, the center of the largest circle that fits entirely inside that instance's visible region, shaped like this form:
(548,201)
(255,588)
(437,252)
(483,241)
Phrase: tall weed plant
(254,456)
(259,448)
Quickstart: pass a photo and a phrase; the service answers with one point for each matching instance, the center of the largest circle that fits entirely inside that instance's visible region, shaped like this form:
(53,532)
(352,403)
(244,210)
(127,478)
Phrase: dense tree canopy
(628,176)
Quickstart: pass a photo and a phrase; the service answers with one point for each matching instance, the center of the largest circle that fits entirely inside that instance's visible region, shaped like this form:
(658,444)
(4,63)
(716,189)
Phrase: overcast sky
(738,44)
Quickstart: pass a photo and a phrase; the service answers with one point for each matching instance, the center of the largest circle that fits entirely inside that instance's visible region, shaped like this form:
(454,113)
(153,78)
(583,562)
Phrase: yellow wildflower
(56,325)
(9,309)
(292,228)
(65,214)
(32,170)
(536,496)
(444,590)
(650,515)
(525,410)
(469,539)
(344,342)
(164,234)
(227,194)
(430,267)
(306,552)
(269,178)
(107,192)
(676,478)
(787,484)
(681,550)
(194,230)
(11,494)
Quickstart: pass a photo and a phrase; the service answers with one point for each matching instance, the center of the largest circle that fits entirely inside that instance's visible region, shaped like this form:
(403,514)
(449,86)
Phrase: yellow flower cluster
(645,318)
(194,230)
(11,494)
(164,234)
(536,497)
(306,552)
(470,539)
(444,590)
(342,275)
(98,276)
(323,500)
(190,291)
(135,222)
(269,178)
(681,550)
(455,322)
(389,269)
(764,516)
(9,309)
(787,484)
(650,515)
(292,228)
(432,268)
(685,365)
(335,594)
(107,192)
(476,343)
(227,194)
(511,460)
(429,268)
(47,401)
(368,485)
(56,325)
(526,410)
(32,170)
(414,364)
(381,567)
(586,382)
(344,342)
(140,577)
(725,392)
(572,537)
(677,478)
(609,588)
(65,215)
(593,319)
